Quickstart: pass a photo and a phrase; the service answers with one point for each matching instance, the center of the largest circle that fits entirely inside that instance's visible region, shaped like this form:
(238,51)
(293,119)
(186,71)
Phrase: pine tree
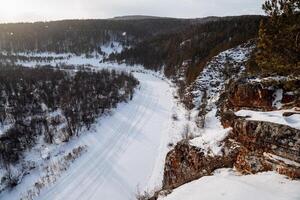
(279,37)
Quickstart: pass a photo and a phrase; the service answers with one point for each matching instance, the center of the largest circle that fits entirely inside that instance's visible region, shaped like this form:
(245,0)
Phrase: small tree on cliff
(279,37)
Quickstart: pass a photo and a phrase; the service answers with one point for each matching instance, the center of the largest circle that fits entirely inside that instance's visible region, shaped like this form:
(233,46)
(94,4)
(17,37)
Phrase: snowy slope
(206,90)
(220,69)
(225,184)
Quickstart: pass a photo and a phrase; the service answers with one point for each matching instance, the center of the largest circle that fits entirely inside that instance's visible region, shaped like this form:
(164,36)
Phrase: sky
(46,10)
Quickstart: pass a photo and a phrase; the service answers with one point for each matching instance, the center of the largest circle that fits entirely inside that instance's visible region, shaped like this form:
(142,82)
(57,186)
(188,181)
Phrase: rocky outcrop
(251,147)
(259,138)
(279,139)
(263,94)
(186,163)
(243,94)
(57,129)
(251,162)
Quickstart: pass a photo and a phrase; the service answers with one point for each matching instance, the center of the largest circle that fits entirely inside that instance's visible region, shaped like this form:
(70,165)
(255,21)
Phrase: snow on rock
(273,116)
(4,128)
(206,91)
(211,141)
(278,98)
(226,184)
(213,77)
(211,136)
(112,47)
(281,159)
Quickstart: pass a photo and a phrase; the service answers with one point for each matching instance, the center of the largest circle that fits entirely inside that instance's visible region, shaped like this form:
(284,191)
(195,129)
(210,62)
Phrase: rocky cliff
(268,140)
(251,147)
(186,163)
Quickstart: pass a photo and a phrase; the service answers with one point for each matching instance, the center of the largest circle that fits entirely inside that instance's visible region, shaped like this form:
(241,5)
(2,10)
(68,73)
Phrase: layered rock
(186,163)
(243,94)
(264,94)
(252,146)
(279,139)
(257,138)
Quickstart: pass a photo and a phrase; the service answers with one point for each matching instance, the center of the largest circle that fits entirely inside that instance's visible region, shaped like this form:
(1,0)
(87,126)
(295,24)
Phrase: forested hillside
(81,36)
(44,102)
(191,48)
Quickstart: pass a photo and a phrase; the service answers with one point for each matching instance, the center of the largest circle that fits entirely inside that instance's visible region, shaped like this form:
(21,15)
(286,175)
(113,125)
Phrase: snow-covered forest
(53,105)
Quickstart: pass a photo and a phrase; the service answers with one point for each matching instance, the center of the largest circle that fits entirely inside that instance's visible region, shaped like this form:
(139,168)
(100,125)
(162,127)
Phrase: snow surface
(122,150)
(112,47)
(225,184)
(211,137)
(272,116)
(4,128)
(93,59)
(278,98)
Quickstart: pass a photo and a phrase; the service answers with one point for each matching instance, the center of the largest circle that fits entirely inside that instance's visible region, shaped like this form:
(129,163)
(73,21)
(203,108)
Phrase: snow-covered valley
(125,150)
(122,150)
(124,153)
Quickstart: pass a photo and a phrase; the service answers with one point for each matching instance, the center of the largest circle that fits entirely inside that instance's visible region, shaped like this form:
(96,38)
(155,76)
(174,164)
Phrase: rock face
(186,163)
(258,139)
(252,146)
(265,94)
(279,139)
(57,131)
(243,94)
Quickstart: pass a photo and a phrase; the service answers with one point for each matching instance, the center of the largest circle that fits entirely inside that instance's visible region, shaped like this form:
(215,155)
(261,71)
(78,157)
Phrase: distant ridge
(138,17)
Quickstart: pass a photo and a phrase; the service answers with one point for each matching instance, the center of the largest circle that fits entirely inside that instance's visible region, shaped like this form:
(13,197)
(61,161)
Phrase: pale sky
(45,10)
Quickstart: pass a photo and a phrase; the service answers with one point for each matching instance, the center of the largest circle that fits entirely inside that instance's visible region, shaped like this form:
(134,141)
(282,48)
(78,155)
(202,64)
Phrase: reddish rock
(279,139)
(186,163)
(243,94)
(288,98)
(251,162)
(291,172)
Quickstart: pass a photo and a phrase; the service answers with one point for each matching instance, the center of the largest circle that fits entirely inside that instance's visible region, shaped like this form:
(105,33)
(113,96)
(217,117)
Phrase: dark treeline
(28,96)
(27,58)
(196,45)
(80,36)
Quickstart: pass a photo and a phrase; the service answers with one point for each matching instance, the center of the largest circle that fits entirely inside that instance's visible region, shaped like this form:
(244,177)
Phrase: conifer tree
(279,37)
